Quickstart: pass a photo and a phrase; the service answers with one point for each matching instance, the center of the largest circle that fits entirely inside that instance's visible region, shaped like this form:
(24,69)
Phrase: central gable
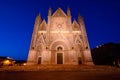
(59,13)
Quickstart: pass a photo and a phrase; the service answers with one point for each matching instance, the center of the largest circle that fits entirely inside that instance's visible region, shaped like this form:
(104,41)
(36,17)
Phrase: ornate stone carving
(59,41)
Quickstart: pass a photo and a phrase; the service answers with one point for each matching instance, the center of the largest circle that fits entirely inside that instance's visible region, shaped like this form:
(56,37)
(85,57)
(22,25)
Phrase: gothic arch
(60,42)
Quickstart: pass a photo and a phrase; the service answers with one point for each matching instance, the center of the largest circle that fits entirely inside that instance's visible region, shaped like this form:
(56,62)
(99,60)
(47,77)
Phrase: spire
(38,19)
(68,12)
(80,19)
(50,11)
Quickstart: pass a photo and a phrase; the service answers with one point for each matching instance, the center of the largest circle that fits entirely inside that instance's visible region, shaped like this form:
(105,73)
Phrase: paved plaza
(59,72)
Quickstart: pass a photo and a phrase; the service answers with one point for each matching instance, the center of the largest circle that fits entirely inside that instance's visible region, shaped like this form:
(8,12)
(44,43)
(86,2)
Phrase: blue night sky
(17,21)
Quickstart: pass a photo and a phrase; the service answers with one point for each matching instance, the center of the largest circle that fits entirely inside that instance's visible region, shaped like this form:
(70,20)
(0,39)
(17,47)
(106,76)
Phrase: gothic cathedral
(59,40)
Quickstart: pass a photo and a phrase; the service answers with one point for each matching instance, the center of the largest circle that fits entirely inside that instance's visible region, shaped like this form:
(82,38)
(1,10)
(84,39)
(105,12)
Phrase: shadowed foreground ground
(46,72)
(56,75)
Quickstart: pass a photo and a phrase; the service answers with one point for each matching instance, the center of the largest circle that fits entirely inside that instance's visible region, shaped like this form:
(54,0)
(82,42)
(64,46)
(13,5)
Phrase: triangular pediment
(75,26)
(59,13)
(43,25)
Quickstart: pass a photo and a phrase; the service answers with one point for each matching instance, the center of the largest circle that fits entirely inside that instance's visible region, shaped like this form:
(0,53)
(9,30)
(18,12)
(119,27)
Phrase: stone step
(59,68)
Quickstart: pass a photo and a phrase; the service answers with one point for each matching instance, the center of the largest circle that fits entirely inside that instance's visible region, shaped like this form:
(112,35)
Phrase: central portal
(59,50)
(59,58)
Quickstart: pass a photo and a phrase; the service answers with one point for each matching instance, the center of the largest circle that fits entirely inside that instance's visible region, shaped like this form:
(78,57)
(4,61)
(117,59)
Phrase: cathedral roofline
(43,25)
(59,12)
(75,22)
(75,25)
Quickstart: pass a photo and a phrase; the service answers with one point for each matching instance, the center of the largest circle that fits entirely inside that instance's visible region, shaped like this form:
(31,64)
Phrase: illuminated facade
(59,40)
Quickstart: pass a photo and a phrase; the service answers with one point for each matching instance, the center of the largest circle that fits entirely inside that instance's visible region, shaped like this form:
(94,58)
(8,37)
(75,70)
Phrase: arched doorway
(39,60)
(59,55)
(59,52)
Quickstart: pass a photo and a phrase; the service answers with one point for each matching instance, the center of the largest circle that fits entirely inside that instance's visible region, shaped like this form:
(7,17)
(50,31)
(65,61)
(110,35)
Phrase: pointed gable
(43,26)
(59,13)
(75,26)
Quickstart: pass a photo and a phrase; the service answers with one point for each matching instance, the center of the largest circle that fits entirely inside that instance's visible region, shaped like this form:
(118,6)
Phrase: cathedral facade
(59,40)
